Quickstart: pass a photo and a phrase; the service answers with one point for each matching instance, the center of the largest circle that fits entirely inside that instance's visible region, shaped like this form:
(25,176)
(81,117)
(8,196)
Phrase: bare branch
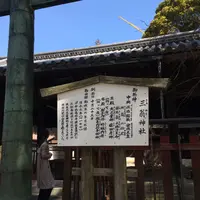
(144,23)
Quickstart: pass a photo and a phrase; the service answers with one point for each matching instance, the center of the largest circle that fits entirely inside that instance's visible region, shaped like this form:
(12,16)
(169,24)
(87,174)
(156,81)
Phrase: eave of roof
(136,45)
(111,53)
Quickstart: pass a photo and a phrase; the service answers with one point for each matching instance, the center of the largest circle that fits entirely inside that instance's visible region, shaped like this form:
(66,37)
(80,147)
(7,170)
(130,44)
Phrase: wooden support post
(100,157)
(67,174)
(140,179)
(87,179)
(1,123)
(95,164)
(173,129)
(1,114)
(76,179)
(167,169)
(194,139)
(111,187)
(120,177)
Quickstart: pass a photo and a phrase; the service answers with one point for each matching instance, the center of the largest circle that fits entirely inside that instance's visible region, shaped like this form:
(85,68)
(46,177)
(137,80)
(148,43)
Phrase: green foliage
(174,15)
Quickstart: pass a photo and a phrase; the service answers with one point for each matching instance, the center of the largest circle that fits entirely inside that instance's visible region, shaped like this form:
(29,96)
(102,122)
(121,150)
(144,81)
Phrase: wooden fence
(102,173)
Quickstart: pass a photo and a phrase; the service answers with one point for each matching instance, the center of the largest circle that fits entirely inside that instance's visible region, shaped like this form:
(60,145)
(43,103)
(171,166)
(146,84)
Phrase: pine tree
(174,16)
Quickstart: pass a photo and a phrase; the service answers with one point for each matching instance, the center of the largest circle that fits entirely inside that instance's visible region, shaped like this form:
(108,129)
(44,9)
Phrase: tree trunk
(18,119)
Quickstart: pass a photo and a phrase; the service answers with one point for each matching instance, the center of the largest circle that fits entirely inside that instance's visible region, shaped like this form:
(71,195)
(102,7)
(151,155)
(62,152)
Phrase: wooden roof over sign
(148,82)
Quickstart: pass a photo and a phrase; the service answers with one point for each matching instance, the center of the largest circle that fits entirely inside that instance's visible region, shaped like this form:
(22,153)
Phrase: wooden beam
(36,4)
(68,87)
(132,173)
(146,82)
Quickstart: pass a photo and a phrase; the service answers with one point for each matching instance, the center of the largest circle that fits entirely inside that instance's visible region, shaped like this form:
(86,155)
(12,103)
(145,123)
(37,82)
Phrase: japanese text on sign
(104,115)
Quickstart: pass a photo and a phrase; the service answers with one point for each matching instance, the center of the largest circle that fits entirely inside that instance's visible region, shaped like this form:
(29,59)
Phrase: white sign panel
(104,115)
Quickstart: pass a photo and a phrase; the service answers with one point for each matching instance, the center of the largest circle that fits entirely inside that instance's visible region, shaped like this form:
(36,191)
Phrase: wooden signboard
(36,4)
(104,115)
(104,111)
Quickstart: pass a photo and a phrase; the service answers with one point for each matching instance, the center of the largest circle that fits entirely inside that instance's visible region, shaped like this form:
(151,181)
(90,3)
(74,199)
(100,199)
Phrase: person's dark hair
(46,134)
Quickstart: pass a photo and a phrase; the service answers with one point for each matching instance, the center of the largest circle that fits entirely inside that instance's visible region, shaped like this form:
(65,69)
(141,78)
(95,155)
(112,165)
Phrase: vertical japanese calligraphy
(66,121)
(85,110)
(80,116)
(104,115)
(143,116)
(62,121)
(71,120)
(92,103)
(76,120)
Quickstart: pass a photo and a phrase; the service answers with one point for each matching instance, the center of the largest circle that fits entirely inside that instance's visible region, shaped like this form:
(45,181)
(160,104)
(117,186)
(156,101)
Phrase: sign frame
(151,83)
(133,115)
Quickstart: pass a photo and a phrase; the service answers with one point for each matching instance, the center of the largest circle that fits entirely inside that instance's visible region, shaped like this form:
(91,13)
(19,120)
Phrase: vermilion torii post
(16,168)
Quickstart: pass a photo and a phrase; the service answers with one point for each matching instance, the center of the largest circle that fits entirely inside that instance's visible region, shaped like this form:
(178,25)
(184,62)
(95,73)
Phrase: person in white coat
(45,180)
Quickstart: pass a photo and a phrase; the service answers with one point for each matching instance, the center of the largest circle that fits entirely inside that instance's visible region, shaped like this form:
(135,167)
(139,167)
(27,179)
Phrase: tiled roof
(118,52)
(3,62)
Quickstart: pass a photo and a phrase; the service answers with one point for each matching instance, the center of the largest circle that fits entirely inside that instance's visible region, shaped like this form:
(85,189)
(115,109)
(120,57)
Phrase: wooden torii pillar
(18,118)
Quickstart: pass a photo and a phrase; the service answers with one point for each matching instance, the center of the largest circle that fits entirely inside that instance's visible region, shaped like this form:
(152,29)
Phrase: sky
(80,24)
